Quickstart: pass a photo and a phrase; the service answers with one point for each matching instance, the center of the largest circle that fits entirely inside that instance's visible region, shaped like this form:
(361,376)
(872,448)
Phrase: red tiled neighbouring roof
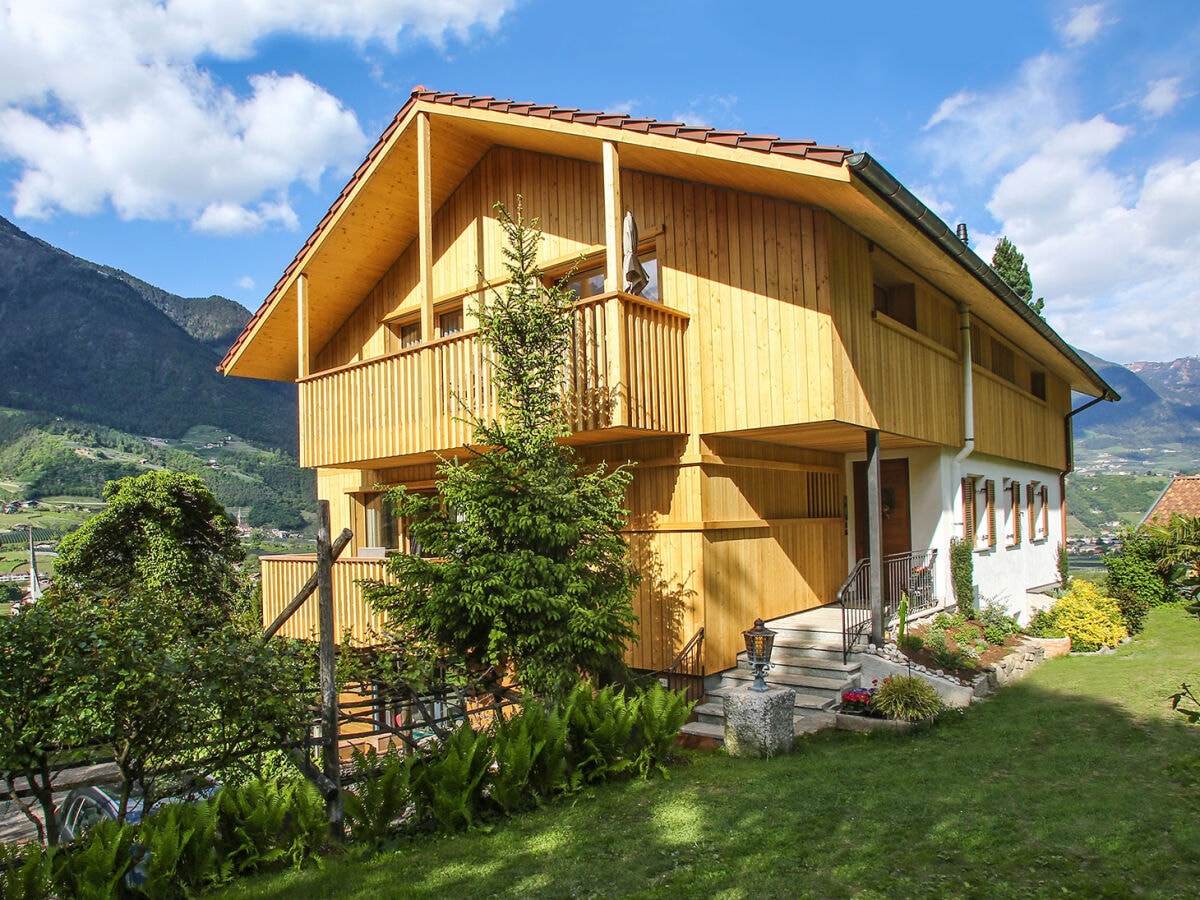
(760,143)
(1182,497)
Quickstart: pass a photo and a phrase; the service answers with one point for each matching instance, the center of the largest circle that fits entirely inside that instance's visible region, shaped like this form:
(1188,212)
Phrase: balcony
(625,376)
(283,576)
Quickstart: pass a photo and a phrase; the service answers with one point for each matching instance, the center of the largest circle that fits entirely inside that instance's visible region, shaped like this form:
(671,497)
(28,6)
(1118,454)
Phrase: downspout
(968,447)
(1069,437)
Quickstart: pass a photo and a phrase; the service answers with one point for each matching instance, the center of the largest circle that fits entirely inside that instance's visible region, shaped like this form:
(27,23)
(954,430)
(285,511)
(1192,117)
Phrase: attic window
(898,302)
(1037,384)
(1004,361)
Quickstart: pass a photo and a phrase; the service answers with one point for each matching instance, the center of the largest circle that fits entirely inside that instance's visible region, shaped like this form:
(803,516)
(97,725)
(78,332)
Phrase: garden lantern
(760,641)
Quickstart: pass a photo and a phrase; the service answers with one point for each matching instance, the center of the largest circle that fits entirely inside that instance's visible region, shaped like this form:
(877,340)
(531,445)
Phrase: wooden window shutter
(1030,511)
(1045,511)
(1015,496)
(990,487)
(968,494)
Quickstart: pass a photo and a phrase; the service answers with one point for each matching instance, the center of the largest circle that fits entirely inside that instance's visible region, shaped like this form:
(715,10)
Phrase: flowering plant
(858,700)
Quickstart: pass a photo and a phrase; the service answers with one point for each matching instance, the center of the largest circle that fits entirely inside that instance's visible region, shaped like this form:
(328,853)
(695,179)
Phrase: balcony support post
(425,262)
(326,652)
(614,334)
(875,536)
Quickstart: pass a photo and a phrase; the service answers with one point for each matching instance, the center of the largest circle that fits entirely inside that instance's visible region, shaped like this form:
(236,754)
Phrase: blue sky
(196,143)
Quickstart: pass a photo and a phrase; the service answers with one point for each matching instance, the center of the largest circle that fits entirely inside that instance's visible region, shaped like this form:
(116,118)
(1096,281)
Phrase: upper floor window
(898,302)
(450,322)
(586,283)
(1037,383)
(651,291)
(410,334)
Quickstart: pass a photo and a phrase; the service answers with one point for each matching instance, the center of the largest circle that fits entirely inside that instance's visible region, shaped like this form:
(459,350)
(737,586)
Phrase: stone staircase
(807,659)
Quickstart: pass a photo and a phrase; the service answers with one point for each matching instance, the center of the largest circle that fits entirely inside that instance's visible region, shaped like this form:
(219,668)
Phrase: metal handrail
(686,671)
(854,597)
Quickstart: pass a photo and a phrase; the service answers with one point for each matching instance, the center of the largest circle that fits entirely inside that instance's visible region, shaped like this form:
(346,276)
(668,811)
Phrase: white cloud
(1162,97)
(108,104)
(246,283)
(713,111)
(1083,24)
(976,134)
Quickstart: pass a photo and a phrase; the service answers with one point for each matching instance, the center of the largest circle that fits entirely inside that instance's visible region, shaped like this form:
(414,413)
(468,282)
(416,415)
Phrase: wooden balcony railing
(626,369)
(283,576)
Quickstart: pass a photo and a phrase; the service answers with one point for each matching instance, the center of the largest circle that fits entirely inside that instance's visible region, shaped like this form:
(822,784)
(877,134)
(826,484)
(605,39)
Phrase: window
(1037,383)
(585,283)
(979,508)
(1014,511)
(410,334)
(381,528)
(1004,361)
(650,264)
(899,303)
(450,322)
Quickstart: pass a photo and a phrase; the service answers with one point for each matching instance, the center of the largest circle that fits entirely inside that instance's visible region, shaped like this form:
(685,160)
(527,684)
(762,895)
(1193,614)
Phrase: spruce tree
(524,566)
(1009,264)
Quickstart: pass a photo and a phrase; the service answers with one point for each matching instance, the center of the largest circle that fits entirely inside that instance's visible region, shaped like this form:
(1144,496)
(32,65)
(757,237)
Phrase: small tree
(962,575)
(1009,264)
(525,565)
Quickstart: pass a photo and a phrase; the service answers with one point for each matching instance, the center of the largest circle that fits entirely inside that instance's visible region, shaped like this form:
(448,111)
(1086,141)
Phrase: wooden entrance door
(897,526)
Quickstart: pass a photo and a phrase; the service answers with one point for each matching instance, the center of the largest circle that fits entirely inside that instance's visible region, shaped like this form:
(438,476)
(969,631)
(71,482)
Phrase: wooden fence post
(330,763)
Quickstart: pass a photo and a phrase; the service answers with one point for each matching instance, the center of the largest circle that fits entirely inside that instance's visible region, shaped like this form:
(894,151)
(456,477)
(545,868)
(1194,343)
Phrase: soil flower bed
(961,647)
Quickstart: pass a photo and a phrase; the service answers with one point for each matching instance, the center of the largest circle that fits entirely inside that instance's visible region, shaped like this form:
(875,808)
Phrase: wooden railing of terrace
(283,576)
(626,370)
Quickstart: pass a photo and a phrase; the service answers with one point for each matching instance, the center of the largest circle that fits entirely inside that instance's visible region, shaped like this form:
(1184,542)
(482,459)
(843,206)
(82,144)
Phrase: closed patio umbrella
(636,278)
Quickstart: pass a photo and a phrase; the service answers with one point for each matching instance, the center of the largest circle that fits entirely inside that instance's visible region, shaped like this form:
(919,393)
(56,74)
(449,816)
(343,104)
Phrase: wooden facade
(792,317)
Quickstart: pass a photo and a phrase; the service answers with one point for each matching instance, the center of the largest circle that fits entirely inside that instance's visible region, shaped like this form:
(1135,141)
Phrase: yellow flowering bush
(1088,617)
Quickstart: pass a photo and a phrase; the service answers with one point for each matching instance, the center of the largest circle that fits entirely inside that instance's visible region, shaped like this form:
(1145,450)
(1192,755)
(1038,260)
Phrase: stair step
(803,701)
(781,677)
(705,730)
(800,656)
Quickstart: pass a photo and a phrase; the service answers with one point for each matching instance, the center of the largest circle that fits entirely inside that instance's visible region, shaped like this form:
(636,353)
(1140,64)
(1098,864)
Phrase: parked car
(83,807)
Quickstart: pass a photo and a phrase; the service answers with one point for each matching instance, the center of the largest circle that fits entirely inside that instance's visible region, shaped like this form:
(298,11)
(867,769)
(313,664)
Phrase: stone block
(759,723)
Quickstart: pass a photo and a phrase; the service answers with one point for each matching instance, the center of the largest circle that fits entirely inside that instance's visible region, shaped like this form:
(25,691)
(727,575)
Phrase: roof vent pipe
(961,231)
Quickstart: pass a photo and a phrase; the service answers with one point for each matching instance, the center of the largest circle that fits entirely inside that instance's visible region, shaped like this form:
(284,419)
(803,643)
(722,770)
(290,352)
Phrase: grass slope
(1077,780)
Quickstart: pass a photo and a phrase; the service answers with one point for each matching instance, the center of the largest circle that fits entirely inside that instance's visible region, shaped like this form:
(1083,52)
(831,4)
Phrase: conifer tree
(524,565)
(1009,264)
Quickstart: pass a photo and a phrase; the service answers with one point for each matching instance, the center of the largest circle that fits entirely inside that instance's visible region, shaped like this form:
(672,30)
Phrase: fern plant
(381,795)
(96,870)
(660,714)
(26,870)
(180,844)
(450,784)
(530,754)
(599,729)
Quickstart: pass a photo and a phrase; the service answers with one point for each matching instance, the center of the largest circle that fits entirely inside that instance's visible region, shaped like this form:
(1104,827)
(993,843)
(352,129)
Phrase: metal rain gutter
(886,186)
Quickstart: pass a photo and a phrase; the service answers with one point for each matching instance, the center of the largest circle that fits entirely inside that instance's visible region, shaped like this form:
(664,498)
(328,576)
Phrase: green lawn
(1078,780)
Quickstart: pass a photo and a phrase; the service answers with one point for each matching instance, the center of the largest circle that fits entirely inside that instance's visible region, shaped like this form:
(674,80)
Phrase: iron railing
(854,597)
(904,574)
(686,672)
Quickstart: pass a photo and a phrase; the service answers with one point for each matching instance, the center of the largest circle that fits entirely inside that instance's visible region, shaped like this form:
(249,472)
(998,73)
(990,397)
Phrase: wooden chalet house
(815,349)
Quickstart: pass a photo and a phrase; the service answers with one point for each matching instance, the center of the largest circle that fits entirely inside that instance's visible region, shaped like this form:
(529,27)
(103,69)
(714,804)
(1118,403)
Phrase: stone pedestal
(759,723)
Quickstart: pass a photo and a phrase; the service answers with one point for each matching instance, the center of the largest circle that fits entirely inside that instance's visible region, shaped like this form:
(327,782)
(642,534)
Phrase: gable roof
(352,255)
(1181,497)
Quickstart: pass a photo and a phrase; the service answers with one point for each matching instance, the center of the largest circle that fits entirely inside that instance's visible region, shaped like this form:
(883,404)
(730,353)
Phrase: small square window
(1037,384)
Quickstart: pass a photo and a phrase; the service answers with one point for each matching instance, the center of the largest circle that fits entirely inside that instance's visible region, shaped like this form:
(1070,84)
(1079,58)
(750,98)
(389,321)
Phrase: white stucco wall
(1004,574)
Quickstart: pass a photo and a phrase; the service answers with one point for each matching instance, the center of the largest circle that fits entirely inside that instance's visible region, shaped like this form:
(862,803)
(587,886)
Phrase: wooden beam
(326,650)
(425,225)
(303,352)
(875,536)
(614,333)
(305,592)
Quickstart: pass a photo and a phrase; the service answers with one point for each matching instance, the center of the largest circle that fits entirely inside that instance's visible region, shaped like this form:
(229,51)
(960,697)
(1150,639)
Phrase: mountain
(93,344)
(1156,424)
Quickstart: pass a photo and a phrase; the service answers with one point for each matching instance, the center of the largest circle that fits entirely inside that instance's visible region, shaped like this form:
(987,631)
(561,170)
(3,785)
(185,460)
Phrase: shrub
(994,634)
(1042,625)
(906,697)
(995,616)
(962,574)
(1064,567)
(1134,572)
(1133,611)
(912,643)
(1089,618)
(945,654)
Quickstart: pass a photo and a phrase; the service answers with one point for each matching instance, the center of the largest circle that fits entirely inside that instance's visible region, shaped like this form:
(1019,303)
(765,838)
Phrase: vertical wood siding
(283,576)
